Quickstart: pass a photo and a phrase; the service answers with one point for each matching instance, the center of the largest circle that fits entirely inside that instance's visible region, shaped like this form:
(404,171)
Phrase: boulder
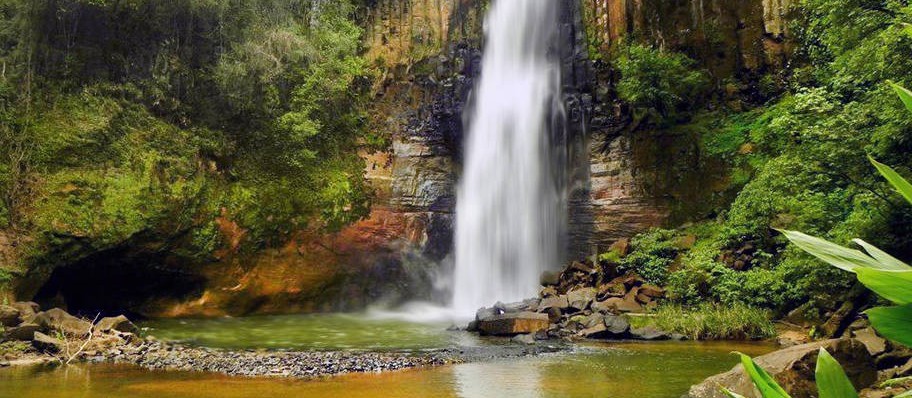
(621,247)
(617,325)
(547,291)
(59,320)
(612,290)
(581,298)
(559,302)
(617,304)
(554,314)
(582,267)
(549,278)
(643,299)
(484,313)
(592,320)
(652,291)
(27,309)
(9,316)
(118,323)
(598,331)
(513,323)
(874,343)
(649,333)
(47,344)
(23,332)
(793,368)
(524,338)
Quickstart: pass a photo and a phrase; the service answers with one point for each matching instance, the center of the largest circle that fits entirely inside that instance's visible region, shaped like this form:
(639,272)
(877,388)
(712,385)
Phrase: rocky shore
(31,336)
(587,300)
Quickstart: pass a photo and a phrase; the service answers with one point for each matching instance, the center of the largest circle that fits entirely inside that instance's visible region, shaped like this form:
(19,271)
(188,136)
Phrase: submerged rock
(513,323)
(793,368)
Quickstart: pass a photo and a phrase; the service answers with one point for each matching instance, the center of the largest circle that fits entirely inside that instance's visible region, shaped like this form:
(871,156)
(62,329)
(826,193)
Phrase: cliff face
(427,54)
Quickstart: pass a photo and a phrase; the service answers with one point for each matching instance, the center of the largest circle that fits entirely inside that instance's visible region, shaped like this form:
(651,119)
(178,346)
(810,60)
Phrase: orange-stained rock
(513,323)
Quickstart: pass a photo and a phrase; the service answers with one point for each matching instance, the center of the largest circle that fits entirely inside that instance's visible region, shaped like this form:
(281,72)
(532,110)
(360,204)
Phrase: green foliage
(657,82)
(829,376)
(711,321)
(148,119)
(652,253)
(882,273)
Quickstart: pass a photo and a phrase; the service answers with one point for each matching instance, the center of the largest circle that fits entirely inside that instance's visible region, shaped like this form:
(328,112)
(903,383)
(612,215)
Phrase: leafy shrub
(658,81)
(652,253)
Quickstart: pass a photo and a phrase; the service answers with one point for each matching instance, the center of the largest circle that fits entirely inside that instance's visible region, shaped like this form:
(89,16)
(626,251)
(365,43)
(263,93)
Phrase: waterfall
(508,211)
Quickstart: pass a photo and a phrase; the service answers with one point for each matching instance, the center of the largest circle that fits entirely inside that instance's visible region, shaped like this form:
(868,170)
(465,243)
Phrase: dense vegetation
(141,117)
(797,153)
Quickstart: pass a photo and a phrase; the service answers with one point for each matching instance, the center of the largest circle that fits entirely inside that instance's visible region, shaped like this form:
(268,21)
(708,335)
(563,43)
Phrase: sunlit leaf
(883,257)
(901,184)
(895,286)
(904,95)
(730,393)
(894,323)
(838,256)
(832,381)
(765,383)
(906,394)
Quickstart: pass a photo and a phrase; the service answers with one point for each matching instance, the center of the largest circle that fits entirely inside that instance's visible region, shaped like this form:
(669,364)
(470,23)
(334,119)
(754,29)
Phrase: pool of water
(308,332)
(618,370)
(624,370)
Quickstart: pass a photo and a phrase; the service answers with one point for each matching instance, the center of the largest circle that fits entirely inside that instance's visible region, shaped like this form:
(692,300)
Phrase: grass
(710,321)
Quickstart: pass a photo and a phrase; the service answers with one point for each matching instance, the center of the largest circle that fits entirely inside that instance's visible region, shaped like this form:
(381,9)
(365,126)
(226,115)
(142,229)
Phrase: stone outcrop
(512,323)
(793,368)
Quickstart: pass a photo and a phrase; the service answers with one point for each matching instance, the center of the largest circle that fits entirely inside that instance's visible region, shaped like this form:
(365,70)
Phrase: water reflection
(655,370)
(498,379)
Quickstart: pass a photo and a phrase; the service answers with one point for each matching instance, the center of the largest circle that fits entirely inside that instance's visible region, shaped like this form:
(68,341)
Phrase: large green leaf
(731,394)
(832,381)
(904,95)
(838,256)
(895,286)
(906,394)
(897,181)
(894,323)
(765,383)
(883,257)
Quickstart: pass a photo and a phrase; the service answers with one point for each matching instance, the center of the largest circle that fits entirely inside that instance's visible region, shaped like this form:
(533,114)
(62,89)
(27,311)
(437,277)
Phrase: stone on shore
(9,316)
(23,332)
(616,325)
(618,304)
(550,278)
(559,302)
(118,323)
(46,344)
(874,343)
(513,323)
(59,320)
(649,334)
(27,310)
(793,368)
(581,298)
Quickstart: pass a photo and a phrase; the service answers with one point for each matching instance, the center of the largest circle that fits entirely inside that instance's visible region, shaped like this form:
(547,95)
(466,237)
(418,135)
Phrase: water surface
(628,370)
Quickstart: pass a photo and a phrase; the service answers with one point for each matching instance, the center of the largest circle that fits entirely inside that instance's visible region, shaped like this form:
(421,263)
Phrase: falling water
(508,212)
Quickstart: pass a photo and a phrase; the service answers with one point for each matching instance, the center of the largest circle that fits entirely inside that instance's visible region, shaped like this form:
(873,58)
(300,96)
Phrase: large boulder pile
(585,300)
(55,331)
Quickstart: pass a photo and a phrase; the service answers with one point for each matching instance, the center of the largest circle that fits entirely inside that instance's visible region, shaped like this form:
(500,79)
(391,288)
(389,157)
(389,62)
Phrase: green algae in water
(629,370)
(305,332)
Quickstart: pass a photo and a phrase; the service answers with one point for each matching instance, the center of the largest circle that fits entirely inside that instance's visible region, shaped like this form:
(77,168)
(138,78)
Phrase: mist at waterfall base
(509,209)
